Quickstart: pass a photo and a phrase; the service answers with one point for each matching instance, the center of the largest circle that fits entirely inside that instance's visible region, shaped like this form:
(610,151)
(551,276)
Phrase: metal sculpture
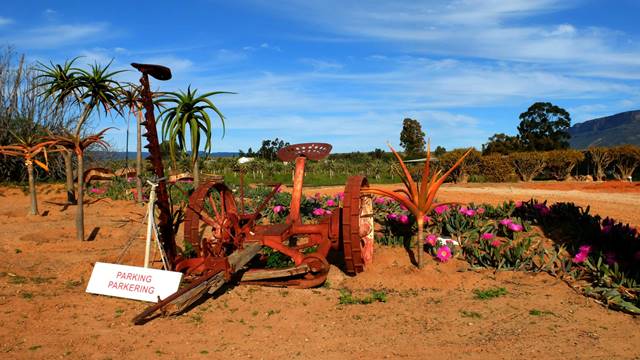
(226,238)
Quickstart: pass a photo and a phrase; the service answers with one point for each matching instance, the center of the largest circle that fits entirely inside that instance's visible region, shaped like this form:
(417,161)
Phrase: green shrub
(600,158)
(528,164)
(497,168)
(626,159)
(470,166)
(560,163)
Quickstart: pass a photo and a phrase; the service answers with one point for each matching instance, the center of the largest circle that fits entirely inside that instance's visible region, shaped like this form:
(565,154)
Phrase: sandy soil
(429,313)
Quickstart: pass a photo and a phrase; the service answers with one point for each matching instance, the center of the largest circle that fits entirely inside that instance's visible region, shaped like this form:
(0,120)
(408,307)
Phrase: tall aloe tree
(59,84)
(418,198)
(95,88)
(189,109)
(28,148)
(130,101)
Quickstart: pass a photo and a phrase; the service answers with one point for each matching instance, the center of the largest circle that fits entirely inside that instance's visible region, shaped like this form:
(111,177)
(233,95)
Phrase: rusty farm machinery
(228,241)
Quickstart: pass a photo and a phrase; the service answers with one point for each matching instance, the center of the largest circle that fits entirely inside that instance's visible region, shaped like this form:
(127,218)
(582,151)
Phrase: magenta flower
(130,179)
(495,243)
(443,253)
(427,219)
(518,204)
(585,248)
(487,236)
(403,219)
(330,202)
(327,212)
(392,217)
(318,212)
(441,209)
(431,239)
(278,208)
(403,208)
(98,191)
(340,196)
(606,229)
(380,201)
(505,222)
(480,211)
(515,227)
(580,257)
(470,212)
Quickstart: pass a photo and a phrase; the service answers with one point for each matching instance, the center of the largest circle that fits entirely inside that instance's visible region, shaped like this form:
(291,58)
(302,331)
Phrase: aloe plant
(418,198)
(189,109)
(28,147)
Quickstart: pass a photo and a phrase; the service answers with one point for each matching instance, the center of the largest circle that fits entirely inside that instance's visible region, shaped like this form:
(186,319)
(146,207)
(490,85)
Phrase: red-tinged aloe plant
(418,197)
(28,148)
(78,145)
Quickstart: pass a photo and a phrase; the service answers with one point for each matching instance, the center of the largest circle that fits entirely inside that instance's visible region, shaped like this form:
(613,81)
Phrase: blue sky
(348,72)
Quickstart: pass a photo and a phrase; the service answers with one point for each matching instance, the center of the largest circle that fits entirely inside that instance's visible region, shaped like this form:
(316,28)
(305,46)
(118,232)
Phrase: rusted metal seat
(312,151)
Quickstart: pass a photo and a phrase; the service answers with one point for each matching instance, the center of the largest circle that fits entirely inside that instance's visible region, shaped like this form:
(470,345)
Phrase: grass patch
(470,314)
(490,293)
(41,280)
(347,298)
(272,312)
(119,312)
(73,283)
(35,347)
(536,312)
(18,251)
(17,279)
(27,295)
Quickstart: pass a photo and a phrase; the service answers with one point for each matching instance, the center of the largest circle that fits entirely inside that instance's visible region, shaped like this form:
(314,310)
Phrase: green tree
(189,109)
(130,101)
(544,126)
(502,144)
(439,151)
(91,89)
(412,138)
(269,149)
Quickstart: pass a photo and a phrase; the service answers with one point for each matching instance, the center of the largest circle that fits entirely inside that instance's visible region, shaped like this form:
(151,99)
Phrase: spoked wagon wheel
(357,225)
(211,222)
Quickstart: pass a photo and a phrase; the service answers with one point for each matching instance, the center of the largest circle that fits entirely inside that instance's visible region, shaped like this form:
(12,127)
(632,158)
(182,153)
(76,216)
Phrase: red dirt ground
(430,313)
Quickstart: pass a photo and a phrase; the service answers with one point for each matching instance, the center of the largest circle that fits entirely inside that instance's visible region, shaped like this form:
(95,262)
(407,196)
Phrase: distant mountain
(618,129)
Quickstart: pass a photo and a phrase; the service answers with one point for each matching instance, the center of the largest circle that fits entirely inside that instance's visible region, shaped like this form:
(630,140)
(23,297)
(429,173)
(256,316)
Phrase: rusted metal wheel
(211,220)
(357,225)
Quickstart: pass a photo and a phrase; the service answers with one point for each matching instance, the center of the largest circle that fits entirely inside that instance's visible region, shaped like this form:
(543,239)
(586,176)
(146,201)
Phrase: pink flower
(495,243)
(317,195)
(518,204)
(327,212)
(380,201)
(441,209)
(403,219)
(278,208)
(470,212)
(330,202)
(505,222)
(340,196)
(480,211)
(462,210)
(403,208)
(98,191)
(487,236)
(431,239)
(542,209)
(392,216)
(130,179)
(426,219)
(318,212)
(515,227)
(580,257)
(443,253)
(585,248)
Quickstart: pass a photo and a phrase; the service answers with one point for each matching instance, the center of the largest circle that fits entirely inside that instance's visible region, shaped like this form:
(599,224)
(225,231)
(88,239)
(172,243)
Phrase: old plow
(230,243)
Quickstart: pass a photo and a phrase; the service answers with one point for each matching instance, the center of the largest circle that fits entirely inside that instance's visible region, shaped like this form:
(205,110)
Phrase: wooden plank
(276,273)
(237,260)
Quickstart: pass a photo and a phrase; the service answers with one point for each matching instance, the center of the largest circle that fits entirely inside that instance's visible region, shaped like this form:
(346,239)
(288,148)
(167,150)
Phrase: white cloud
(58,35)
(5,21)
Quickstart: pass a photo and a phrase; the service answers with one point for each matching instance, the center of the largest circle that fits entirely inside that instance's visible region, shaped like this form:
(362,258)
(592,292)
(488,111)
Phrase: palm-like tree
(89,89)
(131,101)
(59,83)
(29,147)
(418,198)
(189,109)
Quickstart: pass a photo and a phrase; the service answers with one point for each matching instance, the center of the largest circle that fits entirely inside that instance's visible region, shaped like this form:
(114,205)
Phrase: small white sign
(133,282)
